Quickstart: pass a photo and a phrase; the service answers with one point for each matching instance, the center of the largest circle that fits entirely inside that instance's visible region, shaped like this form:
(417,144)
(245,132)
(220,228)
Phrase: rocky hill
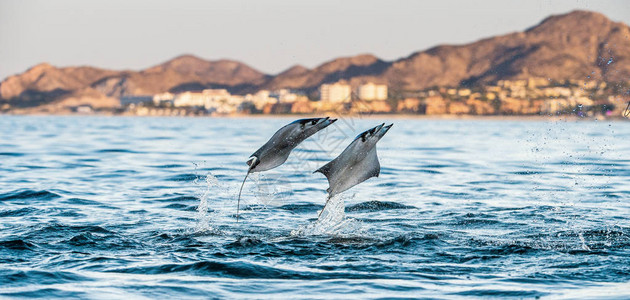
(363,66)
(44,83)
(577,45)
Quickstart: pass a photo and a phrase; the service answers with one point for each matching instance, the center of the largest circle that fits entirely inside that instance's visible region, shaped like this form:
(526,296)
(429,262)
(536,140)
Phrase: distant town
(534,96)
(570,64)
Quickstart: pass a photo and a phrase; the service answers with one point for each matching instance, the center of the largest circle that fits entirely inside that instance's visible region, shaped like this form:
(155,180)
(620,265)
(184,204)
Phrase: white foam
(332,221)
(203,219)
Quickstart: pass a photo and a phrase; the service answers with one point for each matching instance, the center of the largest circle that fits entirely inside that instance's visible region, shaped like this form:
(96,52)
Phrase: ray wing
(343,177)
(329,170)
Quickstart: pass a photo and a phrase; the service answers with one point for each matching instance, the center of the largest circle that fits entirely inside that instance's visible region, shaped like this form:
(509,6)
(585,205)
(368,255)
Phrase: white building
(189,99)
(371,91)
(260,99)
(285,96)
(336,92)
(162,98)
(204,99)
(219,100)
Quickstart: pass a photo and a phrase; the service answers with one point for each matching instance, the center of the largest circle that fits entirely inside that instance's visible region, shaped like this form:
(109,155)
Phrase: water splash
(272,190)
(585,247)
(203,219)
(332,221)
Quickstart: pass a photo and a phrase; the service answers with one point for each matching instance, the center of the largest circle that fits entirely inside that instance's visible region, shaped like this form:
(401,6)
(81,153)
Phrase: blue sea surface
(126,207)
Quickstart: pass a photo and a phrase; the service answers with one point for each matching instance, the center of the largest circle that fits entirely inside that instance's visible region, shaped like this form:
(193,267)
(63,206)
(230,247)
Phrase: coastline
(445,117)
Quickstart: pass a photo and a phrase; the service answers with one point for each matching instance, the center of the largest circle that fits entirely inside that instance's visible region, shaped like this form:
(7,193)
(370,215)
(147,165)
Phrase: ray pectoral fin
(324,169)
(372,167)
(327,170)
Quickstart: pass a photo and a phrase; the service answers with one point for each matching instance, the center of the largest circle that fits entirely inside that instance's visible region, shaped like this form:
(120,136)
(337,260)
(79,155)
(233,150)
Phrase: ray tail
(327,200)
(238,202)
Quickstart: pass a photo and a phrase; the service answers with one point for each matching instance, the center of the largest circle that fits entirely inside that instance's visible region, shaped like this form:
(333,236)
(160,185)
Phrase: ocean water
(117,207)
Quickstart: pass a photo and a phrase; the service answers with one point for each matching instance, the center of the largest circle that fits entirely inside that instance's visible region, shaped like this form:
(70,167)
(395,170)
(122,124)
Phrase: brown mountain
(570,46)
(364,65)
(183,73)
(577,45)
(45,83)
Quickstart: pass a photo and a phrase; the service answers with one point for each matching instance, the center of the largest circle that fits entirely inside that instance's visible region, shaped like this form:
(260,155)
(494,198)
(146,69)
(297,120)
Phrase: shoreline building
(260,99)
(163,99)
(286,96)
(217,100)
(336,92)
(371,91)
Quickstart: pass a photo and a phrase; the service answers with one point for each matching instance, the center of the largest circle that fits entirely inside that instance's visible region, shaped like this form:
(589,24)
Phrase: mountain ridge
(576,45)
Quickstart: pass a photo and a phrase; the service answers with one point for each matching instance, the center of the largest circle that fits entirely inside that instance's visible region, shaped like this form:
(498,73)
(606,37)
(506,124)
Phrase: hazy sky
(268,35)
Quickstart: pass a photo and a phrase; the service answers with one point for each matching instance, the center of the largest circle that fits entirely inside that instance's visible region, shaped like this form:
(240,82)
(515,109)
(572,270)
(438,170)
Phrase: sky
(270,36)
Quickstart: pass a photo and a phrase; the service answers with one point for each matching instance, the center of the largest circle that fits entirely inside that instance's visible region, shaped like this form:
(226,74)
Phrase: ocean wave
(19,278)
(182,207)
(60,230)
(168,166)
(16,245)
(240,269)
(115,150)
(25,211)
(301,208)
(26,194)
(377,206)
(12,154)
(501,293)
(181,198)
(184,177)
